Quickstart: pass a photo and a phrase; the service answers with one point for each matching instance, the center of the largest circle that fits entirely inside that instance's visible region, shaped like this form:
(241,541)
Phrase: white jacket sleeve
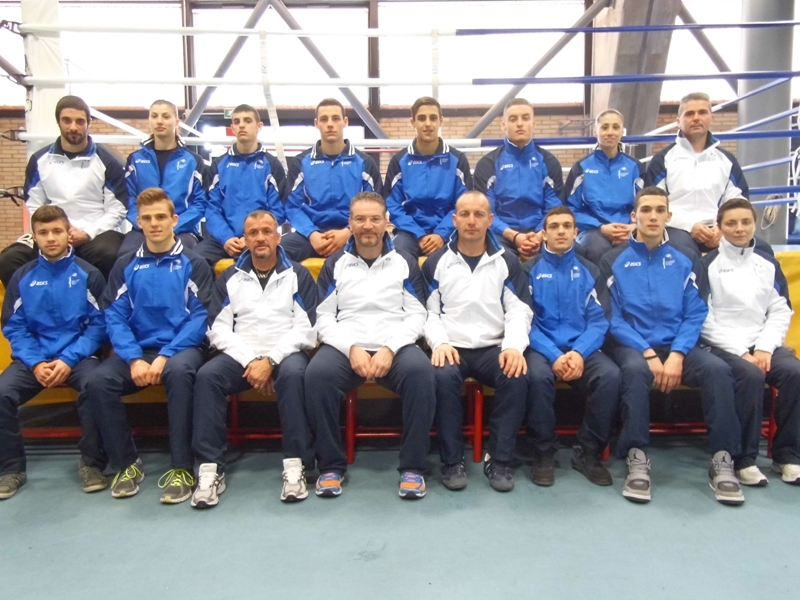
(779,317)
(303,334)
(434,329)
(329,330)
(414,308)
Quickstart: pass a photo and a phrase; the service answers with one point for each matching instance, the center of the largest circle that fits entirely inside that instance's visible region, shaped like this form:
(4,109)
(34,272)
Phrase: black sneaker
(499,474)
(454,477)
(543,471)
(587,461)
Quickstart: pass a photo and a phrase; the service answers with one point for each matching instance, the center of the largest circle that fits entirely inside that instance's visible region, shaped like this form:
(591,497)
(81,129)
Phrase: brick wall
(13,156)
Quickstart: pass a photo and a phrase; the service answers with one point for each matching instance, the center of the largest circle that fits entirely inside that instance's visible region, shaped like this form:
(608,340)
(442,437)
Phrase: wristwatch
(272,362)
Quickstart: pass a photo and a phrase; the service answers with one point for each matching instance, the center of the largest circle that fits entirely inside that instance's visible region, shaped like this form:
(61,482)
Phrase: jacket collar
(441,149)
(317,154)
(641,248)
(601,156)
(245,261)
(555,259)
(512,149)
(233,151)
(493,247)
(735,253)
(711,142)
(60,265)
(150,143)
(88,152)
(176,249)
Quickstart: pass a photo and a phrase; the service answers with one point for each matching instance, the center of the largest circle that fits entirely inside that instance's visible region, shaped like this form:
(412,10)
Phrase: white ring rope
(271,110)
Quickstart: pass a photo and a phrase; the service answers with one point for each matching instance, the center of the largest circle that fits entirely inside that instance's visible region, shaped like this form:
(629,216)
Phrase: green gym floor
(573,540)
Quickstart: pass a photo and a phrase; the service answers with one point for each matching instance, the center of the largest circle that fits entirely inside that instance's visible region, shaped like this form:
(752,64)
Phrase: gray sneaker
(177,485)
(126,483)
(723,481)
(637,483)
(92,478)
(499,474)
(454,477)
(294,481)
(210,485)
(9,484)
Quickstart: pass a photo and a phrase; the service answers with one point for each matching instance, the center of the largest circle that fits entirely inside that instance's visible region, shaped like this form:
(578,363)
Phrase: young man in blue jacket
(569,328)
(656,317)
(244,179)
(321,182)
(156,308)
(164,162)
(264,330)
(600,189)
(55,328)
(479,317)
(423,183)
(522,181)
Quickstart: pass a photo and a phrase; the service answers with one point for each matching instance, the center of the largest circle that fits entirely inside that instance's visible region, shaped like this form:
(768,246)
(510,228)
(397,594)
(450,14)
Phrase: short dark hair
(73,102)
(152,195)
(166,103)
(693,96)
(328,102)
(48,214)
(260,214)
(425,101)
(649,191)
(559,210)
(516,102)
(367,197)
(248,109)
(732,204)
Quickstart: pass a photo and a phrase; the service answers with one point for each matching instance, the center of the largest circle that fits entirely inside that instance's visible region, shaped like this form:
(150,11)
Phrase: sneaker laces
(409,477)
(128,474)
(206,480)
(722,466)
(11,478)
(293,475)
(454,469)
(176,478)
(501,469)
(638,466)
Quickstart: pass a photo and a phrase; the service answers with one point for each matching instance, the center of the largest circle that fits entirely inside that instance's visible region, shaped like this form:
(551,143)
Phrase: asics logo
(140,267)
(504,167)
(35,283)
(544,276)
(592,171)
(632,264)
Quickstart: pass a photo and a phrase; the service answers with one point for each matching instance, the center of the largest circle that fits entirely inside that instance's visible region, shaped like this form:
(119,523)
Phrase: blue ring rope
(631,28)
(637,78)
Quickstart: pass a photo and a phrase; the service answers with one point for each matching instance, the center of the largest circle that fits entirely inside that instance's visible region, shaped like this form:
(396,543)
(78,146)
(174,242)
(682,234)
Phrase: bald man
(479,317)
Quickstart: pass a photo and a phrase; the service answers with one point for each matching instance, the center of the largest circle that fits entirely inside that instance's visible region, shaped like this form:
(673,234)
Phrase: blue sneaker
(412,486)
(329,485)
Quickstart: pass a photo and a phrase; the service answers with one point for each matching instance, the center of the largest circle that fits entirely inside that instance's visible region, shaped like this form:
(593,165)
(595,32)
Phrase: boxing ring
(45,84)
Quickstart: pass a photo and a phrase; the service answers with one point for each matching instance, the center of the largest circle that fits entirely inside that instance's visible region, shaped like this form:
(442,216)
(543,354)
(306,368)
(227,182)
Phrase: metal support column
(373,56)
(357,105)
(497,109)
(13,72)
(233,52)
(588,42)
(189,70)
(705,43)
(765,50)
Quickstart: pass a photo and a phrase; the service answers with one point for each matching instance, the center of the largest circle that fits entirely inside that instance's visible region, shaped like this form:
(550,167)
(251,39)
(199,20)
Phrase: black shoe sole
(544,481)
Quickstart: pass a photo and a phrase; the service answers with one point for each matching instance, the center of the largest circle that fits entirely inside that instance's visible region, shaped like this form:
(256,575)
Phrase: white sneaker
(209,486)
(789,473)
(721,479)
(751,476)
(294,481)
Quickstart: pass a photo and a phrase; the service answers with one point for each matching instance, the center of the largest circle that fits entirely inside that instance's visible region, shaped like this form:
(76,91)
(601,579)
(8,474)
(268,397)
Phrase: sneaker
(92,478)
(722,480)
(412,486)
(210,485)
(294,481)
(637,483)
(329,485)
(789,473)
(126,483)
(587,461)
(454,477)
(543,471)
(499,474)
(9,484)
(752,476)
(177,485)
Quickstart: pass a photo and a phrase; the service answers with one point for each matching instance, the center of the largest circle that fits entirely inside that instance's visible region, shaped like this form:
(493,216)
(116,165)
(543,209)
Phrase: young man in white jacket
(479,317)
(748,316)
(264,324)
(370,314)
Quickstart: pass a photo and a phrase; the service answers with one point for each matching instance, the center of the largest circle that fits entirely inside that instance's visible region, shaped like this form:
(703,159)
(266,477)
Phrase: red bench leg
(772,428)
(350,425)
(234,431)
(476,391)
